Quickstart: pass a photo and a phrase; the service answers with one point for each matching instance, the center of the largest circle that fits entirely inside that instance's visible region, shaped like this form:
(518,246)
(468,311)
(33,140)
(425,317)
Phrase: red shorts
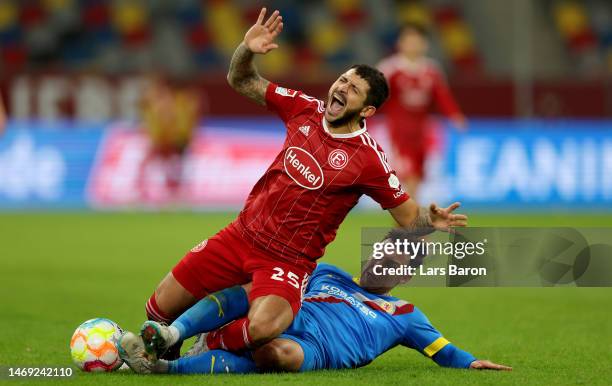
(229,258)
(412,143)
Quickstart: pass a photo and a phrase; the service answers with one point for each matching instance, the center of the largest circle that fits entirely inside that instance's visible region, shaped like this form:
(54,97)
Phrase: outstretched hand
(259,39)
(481,364)
(443,218)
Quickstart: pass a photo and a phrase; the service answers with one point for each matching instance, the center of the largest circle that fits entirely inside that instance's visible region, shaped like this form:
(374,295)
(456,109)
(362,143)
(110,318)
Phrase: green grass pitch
(60,269)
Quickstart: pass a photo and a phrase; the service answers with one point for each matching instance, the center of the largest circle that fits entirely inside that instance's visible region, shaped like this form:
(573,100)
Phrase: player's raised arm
(259,39)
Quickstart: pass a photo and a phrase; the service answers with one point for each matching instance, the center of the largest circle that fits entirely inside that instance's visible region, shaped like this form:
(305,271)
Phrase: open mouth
(337,103)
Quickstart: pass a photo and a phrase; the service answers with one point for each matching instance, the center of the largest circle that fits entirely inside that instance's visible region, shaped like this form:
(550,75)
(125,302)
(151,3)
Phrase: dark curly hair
(379,89)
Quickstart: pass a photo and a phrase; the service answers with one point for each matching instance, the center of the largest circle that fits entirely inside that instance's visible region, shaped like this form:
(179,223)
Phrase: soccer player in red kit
(327,162)
(416,83)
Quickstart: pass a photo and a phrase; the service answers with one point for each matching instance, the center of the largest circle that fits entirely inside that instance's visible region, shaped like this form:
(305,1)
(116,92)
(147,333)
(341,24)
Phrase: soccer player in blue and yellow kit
(341,325)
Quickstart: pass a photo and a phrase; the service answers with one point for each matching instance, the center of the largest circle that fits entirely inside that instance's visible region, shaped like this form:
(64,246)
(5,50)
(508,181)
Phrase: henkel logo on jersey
(303,168)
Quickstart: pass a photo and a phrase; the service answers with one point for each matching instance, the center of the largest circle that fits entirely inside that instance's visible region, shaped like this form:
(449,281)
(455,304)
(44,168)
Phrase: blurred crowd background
(531,57)
(569,37)
(131,71)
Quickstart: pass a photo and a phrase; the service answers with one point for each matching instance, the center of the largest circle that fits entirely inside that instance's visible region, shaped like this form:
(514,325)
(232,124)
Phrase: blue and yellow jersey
(342,325)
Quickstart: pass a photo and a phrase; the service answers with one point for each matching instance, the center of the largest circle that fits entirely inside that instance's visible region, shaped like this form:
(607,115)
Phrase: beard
(348,116)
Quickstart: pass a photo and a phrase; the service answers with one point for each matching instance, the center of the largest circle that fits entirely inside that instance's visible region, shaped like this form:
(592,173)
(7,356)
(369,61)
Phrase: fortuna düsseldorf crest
(337,159)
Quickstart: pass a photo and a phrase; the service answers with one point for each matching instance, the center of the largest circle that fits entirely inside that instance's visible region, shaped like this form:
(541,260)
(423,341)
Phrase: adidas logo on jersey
(304,129)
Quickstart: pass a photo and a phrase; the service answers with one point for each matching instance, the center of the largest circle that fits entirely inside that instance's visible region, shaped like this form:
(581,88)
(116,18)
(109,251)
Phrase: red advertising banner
(219,169)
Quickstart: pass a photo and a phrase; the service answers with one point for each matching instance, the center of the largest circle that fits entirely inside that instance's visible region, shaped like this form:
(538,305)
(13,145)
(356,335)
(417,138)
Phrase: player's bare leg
(268,317)
(169,300)
(279,355)
(208,314)
(172,298)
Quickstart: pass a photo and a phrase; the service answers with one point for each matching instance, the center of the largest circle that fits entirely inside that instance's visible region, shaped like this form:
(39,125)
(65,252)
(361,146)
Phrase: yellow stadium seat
(571,18)
(414,13)
(457,39)
(54,5)
(277,62)
(129,16)
(8,14)
(327,38)
(226,26)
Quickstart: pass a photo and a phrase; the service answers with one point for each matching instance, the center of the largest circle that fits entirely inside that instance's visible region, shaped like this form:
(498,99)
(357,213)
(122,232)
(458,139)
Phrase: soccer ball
(93,346)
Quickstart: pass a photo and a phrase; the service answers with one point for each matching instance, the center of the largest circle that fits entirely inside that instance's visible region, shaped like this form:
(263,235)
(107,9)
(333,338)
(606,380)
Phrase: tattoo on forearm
(422,223)
(243,75)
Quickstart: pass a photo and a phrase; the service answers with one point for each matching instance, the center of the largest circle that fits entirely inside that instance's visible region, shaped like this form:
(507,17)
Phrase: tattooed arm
(425,220)
(244,78)
(259,39)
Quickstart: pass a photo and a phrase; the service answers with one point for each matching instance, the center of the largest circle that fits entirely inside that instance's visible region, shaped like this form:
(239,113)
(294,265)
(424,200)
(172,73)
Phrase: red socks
(154,313)
(233,337)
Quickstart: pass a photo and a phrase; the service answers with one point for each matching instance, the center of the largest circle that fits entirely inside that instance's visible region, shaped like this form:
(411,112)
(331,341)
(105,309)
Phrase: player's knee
(278,355)
(262,331)
(268,318)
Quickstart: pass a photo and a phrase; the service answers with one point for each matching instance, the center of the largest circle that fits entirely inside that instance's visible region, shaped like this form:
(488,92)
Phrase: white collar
(346,135)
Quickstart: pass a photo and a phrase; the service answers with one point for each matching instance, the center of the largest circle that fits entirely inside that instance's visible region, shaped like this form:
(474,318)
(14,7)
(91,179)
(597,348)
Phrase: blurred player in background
(416,84)
(170,115)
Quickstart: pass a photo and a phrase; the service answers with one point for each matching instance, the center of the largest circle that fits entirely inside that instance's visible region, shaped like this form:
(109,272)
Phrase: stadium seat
(226,25)
(572,21)
(130,19)
(331,33)
(414,12)
(457,39)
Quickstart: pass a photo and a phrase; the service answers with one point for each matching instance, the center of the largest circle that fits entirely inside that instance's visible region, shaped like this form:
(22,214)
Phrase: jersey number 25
(292,278)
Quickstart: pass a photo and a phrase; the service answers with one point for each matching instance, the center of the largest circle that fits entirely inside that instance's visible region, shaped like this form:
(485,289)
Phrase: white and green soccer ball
(93,345)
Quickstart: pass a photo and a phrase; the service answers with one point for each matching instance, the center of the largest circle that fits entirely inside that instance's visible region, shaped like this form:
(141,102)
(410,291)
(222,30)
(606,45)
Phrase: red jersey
(414,88)
(295,208)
